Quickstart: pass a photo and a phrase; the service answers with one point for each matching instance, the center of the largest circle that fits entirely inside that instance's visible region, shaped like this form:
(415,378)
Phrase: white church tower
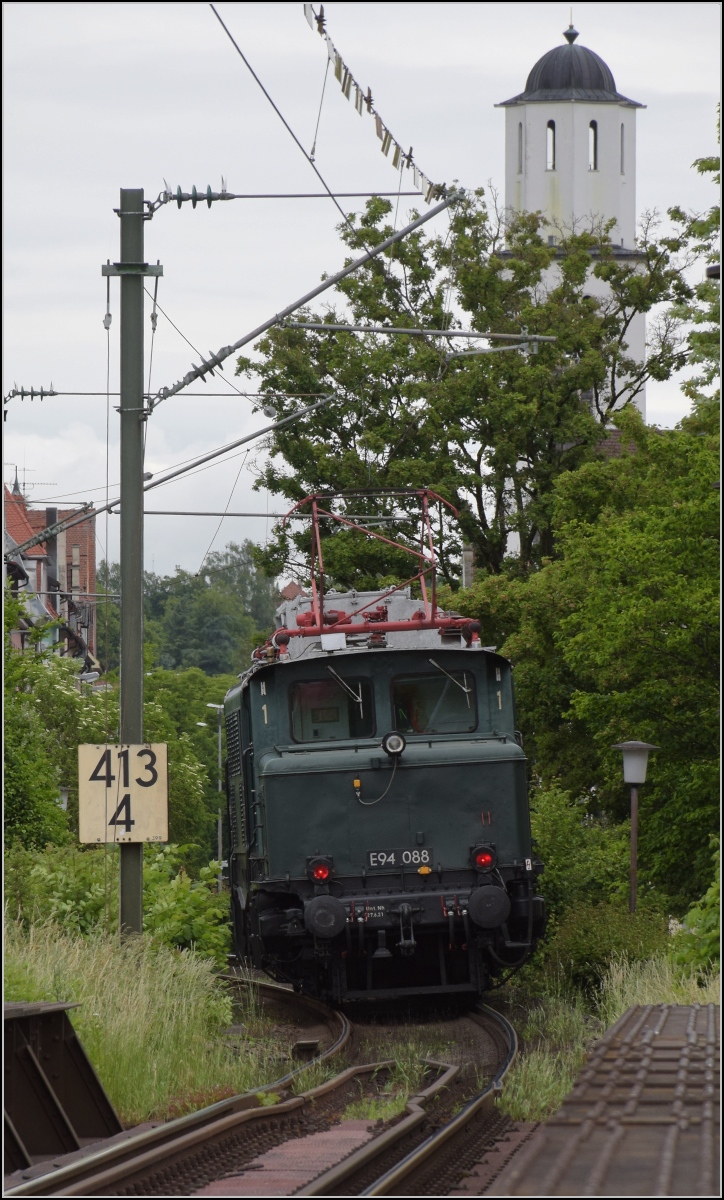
(570,152)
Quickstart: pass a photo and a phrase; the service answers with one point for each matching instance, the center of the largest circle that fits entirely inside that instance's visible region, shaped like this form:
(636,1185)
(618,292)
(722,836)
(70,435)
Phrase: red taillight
(483,859)
(320,872)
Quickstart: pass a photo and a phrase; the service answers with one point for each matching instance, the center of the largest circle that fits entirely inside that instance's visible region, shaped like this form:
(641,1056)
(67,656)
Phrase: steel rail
(94,1185)
(327,1183)
(157,1143)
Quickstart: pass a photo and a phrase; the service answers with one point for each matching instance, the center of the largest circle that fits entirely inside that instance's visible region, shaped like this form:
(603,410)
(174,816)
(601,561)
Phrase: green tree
(199,626)
(698,943)
(233,571)
(211,620)
(703,309)
(184,696)
(108,616)
(490,433)
(618,638)
(48,713)
(32,812)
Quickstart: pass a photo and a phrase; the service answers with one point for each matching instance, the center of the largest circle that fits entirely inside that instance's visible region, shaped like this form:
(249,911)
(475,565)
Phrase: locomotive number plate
(421,856)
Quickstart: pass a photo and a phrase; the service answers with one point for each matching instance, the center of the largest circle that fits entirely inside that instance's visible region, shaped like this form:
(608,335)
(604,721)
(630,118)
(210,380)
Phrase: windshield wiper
(350,692)
(463,686)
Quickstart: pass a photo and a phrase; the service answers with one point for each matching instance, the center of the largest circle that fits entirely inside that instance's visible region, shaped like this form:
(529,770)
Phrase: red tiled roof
(290,591)
(36,516)
(18,524)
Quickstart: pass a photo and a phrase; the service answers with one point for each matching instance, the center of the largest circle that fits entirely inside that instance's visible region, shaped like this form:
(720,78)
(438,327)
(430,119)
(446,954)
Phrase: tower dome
(570,72)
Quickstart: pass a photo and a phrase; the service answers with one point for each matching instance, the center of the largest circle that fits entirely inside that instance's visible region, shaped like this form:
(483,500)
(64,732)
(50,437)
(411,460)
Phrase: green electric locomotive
(379,831)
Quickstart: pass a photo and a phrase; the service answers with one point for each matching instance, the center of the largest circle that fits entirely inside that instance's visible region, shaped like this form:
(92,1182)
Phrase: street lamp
(635,761)
(219,713)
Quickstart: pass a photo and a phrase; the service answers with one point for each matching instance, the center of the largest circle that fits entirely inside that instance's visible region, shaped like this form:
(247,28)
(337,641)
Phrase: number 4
(104,762)
(126,821)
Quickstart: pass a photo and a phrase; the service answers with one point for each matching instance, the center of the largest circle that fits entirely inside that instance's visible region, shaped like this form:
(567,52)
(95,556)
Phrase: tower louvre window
(623,160)
(520,148)
(551,146)
(593,146)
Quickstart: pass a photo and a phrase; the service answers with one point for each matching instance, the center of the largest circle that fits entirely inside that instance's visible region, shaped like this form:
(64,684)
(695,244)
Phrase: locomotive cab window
(439,702)
(325,710)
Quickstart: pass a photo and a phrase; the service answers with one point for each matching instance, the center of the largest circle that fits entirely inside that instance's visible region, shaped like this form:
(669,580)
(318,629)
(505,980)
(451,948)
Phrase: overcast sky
(99,96)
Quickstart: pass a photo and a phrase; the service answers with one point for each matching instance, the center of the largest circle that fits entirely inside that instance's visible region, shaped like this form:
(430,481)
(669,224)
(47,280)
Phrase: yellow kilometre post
(123,793)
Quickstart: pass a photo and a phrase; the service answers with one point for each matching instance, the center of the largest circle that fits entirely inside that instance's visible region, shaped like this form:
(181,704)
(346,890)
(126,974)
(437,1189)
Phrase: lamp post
(635,761)
(220,714)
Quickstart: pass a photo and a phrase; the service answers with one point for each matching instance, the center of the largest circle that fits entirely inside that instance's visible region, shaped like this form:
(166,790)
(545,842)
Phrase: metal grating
(233,744)
(231,808)
(642,1119)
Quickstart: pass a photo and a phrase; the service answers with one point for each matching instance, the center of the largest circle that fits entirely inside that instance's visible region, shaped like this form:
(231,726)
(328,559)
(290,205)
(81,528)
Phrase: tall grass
(562,1024)
(659,980)
(555,1035)
(152,1019)
(538,1084)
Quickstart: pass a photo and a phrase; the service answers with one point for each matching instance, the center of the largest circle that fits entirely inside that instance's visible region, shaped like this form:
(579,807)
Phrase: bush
(77,889)
(184,912)
(31,812)
(586,859)
(588,937)
(697,943)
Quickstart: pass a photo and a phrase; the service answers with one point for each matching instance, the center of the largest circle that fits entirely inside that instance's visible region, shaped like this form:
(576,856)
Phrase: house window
(551,146)
(593,146)
(520,148)
(75,568)
(623,170)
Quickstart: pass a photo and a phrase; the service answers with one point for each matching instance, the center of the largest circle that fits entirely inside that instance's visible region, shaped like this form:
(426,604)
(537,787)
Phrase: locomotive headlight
(320,869)
(393,744)
(484,858)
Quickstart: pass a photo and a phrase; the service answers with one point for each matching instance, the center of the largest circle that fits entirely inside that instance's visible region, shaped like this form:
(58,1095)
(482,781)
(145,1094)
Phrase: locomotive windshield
(440,703)
(329,709)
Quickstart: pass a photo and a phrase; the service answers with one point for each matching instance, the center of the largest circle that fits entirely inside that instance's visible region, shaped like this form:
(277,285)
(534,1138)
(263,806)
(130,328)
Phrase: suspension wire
(154,323)
(228,502)
(447,302)
(283,120)
(399,189)
(222,378)
(319,114)
(107,324)
(311,162)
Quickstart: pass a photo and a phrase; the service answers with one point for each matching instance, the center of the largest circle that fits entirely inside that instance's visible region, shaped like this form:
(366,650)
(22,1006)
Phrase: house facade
(56,579)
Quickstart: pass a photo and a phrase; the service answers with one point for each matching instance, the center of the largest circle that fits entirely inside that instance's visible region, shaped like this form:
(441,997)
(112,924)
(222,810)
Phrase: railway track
(409,1161)
(302,1144)
(113,1156)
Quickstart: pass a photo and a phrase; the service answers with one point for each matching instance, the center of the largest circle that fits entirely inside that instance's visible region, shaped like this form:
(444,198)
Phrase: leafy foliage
(586,859)
(183,697)
(48,713)
(698,942)
(32,809)
(587,938)
(703,309)
(490,433)
(77,889)
(618,638)
(211,620)
(184,912)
